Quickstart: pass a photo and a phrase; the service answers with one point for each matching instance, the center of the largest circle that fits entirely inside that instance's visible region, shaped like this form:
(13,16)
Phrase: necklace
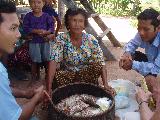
(77,41)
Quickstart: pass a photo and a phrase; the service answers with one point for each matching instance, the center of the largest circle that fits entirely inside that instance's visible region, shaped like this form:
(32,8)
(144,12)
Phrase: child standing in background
(40,25)
(48,8)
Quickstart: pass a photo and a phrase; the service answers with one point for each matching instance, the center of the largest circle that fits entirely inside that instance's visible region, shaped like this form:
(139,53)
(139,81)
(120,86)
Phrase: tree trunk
(61,13)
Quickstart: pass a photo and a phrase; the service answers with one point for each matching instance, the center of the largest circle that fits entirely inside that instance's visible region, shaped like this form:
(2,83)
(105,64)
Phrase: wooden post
(100,23)
(106,52)
(89,29)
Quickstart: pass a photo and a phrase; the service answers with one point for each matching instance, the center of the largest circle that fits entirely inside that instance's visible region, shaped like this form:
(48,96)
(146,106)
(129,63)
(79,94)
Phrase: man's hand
(127,64)
(126,61)
(29,107)
(127,55)
(29,93)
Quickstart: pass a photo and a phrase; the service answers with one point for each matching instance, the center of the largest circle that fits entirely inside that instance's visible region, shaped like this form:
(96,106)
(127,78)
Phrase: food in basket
(83,105)
(89,111)
(72,105)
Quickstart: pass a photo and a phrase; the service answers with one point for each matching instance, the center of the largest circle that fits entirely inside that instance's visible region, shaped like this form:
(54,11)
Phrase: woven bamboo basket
(81,88)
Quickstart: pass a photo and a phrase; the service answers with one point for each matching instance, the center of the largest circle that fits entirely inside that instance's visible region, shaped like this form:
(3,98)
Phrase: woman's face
(76,23)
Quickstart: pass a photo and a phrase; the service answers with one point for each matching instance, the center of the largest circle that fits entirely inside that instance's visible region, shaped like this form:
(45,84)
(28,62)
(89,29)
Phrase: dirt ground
(114,72)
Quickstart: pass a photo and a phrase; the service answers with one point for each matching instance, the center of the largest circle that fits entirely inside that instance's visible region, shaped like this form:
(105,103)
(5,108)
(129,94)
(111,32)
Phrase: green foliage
(116,7)
(120,7)
(134,22)
(19,2)
(151,3)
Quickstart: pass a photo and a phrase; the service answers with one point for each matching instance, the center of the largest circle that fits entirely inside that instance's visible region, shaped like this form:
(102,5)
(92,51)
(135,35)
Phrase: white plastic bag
(104,103)
(130,93)
(121,102)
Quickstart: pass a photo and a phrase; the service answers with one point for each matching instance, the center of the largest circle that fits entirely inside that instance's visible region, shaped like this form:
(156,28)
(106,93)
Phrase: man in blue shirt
(148,38)
(9,34)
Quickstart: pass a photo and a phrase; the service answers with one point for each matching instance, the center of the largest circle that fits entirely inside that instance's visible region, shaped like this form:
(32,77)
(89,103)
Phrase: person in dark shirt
(48,8)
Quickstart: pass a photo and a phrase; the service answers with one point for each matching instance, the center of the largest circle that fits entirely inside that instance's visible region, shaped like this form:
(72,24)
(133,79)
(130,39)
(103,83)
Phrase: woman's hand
(39,94)
(105,86)
(47,98)
(142,96)
(49,91)
(156,93)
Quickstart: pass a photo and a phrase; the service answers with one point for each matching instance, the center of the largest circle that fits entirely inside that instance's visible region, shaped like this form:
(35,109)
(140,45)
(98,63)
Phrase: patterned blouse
(74,58)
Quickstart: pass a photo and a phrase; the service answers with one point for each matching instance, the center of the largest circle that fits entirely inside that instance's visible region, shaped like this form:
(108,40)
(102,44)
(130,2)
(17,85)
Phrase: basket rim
(89,117)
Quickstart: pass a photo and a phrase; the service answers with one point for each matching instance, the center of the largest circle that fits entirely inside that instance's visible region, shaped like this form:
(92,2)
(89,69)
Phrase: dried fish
(80,105)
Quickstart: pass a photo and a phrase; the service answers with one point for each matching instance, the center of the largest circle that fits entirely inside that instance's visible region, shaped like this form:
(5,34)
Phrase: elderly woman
(79,54)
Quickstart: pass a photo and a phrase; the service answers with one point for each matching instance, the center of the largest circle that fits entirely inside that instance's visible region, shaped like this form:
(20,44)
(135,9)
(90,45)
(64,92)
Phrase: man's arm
(18,93)
(133,44)
(28,108)
(145,68)
(129,50)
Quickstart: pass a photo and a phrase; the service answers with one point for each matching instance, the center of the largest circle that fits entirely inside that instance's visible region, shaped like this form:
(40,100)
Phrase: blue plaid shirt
(152,52)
